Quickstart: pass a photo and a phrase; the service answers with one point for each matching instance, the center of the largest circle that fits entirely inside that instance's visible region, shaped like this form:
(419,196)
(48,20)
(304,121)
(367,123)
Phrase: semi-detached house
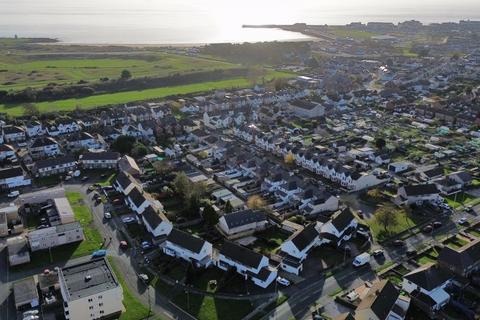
(156,222)
(185,246)
(248,263)
(242,223)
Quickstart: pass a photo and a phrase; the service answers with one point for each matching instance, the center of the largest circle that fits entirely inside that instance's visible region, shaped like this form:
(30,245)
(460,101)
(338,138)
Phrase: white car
(361,259)
(107,215)
(462,221)
(128,220)
(143,277)
(283,281)
(13,194)
(32,312)
(31,317)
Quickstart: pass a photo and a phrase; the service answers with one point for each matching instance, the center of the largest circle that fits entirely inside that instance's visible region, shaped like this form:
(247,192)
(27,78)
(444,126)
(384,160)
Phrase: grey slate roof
(186,240)
(244,217)
(241,254)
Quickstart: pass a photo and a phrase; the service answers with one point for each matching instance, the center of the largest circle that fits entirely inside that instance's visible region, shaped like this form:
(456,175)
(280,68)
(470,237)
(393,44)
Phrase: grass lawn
(135,310)
(269,240)
(140,95)
(424,259)
(351,33)
(209,308)
(404,222)
(456,242)
(48,181)
(474,232)
(93,239)
(32,71)
(461,199)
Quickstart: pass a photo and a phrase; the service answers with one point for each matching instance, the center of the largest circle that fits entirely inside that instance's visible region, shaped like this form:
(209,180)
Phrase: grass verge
(134,309)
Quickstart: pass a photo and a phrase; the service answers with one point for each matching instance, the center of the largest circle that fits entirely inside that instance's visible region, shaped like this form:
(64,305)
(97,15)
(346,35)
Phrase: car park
(283,281)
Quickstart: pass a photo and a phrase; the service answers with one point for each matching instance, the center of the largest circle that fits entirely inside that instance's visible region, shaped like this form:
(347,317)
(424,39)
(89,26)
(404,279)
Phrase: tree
(209,215)
(162,167)
(386,216)
(255,202)
(30,110)
(139,150)
(181,185)
(380,143)
(375,194)
(289,158)
(228,207)
(123,144)
(125,75)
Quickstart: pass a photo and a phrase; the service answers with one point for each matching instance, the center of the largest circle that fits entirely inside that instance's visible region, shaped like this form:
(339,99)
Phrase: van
(361,259)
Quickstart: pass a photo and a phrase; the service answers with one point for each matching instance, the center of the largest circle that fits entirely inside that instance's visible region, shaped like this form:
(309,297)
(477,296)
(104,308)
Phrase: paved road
(126,260)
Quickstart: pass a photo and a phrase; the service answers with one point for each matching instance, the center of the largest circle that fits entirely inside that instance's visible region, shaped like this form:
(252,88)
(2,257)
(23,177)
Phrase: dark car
(398,243)
(377,253)
(411,253)
(427,229)
(437,224)
(84,178)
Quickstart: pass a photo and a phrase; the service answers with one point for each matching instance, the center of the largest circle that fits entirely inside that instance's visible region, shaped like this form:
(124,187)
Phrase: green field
(93,239)
(403,222)
(351,33)
(21,71)
(459,200)
(131,96)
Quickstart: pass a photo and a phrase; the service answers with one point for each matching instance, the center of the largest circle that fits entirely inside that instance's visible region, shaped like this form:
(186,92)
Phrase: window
(90,308)
(102,312)
(100,304)
(90,300)
(100,297)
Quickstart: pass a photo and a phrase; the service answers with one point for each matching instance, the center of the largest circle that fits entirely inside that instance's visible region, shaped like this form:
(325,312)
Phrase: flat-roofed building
(64,210)
(51,237)
(90,290)
(25,293)
(17,251)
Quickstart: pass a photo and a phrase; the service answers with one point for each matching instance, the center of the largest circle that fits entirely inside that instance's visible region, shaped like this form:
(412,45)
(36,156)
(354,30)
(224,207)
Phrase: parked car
(84,178)
(123,244)
(13,194)
(99,253)
(398,243)
(462,221)
(411,253)
(31,317)
(283,281)
(377,253)
(146,245)
(361,259)
(143,277)
(427,229)
(107,215)
(32,312)
(437,224)
(128,220)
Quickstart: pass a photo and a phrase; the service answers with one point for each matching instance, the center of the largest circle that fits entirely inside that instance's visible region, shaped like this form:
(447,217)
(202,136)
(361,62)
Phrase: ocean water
(206,21)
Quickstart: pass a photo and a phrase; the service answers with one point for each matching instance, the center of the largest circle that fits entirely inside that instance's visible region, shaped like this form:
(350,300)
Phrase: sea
(171,22)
